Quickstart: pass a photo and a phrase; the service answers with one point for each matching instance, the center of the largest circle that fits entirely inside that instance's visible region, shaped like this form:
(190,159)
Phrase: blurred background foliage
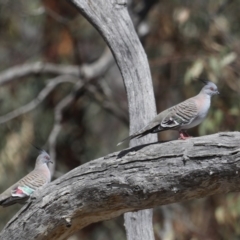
(183,40)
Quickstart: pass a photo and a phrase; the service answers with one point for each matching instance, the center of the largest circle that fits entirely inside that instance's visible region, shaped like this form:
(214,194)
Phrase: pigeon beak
(50,161)
(217,92)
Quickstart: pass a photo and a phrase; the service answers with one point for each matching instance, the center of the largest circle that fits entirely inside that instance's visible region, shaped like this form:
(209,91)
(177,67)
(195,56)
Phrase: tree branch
(107,103)
(36,101)
(89,71)
(112,20)
(36,68)
(57,127)
(137,178)
(86,71)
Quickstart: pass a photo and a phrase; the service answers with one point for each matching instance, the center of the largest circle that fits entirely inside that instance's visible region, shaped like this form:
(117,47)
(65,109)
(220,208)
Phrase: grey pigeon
(182,116)
(20,191)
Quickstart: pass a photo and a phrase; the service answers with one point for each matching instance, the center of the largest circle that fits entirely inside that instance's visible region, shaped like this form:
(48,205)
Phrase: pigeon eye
(211,88)
(47,157)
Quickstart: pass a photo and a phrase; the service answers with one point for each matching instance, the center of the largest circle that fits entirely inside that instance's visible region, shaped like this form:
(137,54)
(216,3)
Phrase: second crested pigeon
(20,191)
(182,116)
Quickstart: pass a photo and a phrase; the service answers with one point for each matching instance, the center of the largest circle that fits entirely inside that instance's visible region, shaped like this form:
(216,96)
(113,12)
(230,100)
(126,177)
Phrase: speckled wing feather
(181,114)
(20,191)
(172,118)
(33,180)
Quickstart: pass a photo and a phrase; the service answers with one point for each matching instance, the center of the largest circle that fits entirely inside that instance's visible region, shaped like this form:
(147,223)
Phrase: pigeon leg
(183,135)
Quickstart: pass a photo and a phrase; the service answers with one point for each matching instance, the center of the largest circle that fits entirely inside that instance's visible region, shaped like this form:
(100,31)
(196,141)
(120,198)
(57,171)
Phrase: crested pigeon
(20,191)
(182,116)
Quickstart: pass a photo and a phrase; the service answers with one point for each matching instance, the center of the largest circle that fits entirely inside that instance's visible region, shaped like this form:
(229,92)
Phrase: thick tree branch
(112,20)
(138,178)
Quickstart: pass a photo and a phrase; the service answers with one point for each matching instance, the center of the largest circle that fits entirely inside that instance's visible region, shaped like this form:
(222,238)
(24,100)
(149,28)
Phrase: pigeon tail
(12,200)
(137,135)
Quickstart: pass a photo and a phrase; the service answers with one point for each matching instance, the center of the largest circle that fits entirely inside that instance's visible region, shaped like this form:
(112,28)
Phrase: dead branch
(36,101)
(57,127)
(132,179)
(37,68)
(87,70)
(107,103)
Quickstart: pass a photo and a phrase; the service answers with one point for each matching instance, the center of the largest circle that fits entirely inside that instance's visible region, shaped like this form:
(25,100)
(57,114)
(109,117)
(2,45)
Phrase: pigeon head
(43,158)
(210,88)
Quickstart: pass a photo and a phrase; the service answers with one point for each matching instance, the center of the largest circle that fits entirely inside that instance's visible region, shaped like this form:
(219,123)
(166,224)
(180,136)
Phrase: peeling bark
(137,178)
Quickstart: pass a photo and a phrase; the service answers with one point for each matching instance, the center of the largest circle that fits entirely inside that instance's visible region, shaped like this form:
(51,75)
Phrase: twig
(36,101)
(107,103)
(57,17)
(37,68)
(58,122)
(91,70)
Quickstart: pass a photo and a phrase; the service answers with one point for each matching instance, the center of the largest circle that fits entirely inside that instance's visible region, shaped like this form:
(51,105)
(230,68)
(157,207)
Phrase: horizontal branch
(37,68)
(87,70)
(137,178)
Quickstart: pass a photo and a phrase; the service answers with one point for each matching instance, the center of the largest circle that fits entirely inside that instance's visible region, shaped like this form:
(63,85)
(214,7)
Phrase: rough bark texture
(139,178)
(111,19)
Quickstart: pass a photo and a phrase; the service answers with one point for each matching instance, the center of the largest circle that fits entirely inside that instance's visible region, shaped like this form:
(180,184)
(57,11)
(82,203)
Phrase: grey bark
(111,19)
(138,178)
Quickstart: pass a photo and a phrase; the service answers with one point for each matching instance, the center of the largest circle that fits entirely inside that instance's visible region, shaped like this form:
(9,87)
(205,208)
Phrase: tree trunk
(112,20)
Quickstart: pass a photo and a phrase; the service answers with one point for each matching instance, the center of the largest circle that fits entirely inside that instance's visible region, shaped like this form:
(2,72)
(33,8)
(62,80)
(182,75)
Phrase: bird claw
(184,136)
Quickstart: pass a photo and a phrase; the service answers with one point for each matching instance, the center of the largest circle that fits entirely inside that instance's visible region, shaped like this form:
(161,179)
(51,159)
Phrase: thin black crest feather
(205,81)
(38,148)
